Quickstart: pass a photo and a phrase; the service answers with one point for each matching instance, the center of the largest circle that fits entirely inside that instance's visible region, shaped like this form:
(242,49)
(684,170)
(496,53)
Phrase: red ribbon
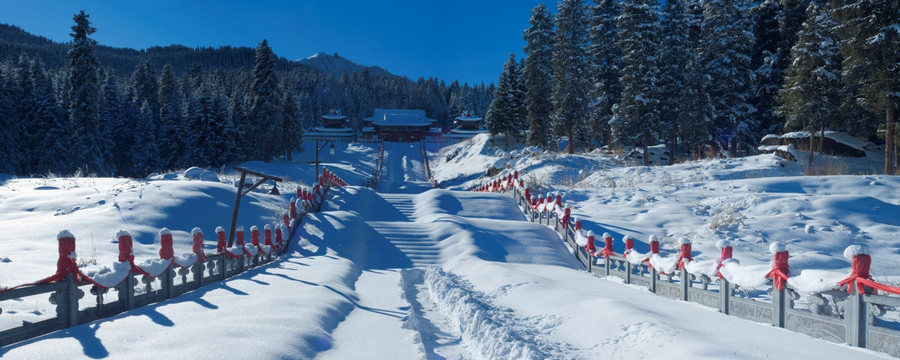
(685,254)
(779,272)
(607,248)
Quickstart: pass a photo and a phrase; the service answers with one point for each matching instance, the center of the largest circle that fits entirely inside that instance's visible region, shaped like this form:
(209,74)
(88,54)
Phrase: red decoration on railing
(608,246)
(166,252)
(221,243)
(197,248)
(727,250)
(66,263)
(590,248)
(685,252)
(780,269)
(126,246)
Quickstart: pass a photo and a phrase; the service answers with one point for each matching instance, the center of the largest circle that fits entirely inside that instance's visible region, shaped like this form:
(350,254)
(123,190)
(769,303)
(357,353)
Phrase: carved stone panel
(752,310)
(672,291)
(884,340)
(640,280)
(705,298)
(817,326)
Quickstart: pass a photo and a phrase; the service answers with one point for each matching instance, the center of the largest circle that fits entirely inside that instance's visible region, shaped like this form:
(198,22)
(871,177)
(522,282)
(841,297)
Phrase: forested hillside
(81,107)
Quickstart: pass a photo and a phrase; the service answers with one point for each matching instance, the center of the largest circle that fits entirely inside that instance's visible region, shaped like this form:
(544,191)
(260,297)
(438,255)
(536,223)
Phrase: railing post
(685,284)
(779,302)
(856,316)
(608,265)
(71,301)
(654,277)
(628,270)
(724,296)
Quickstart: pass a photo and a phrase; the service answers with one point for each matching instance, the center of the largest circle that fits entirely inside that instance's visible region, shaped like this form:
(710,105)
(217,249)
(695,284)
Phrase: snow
(410,272)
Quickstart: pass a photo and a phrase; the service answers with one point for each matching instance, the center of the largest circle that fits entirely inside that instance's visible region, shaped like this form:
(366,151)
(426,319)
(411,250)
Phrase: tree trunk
(812,146)
(673,147)
(889,140)
(646,153)
(572,140)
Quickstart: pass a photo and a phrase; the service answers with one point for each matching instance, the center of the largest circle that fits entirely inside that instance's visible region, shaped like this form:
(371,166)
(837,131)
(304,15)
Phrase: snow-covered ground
(410,273)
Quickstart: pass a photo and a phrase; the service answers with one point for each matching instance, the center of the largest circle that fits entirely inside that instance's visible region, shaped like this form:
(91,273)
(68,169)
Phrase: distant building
(399,125)
(334,127)
(467,125)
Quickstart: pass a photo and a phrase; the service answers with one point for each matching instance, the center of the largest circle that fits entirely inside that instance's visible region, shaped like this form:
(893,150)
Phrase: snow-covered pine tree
(12,117)
(145,156)
(766,63)
(571,86)
(83,98)
(46,116)
(636,117)
(538,77)
(115,120)
(264,113)
(501,117)
(519,105)
(675,54)
(869,43)
(170,138)
(607,65)
(725,58)
(292,129)
(810,98)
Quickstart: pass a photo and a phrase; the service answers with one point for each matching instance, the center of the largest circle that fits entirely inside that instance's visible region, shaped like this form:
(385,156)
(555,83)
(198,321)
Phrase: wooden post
(241,192)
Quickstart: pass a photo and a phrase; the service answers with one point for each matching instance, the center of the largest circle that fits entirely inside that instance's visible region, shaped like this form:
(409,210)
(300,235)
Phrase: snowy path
(376,309)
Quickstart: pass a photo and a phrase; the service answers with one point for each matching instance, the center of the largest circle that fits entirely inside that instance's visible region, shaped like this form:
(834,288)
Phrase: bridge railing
(851,311)
(128,284)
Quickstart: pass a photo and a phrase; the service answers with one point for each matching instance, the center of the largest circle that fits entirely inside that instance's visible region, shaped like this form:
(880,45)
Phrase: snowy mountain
(335,64)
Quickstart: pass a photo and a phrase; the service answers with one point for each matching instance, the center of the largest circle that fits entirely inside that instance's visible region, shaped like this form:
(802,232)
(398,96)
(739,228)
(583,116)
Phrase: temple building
(334,127)
(399,125)
(467,125)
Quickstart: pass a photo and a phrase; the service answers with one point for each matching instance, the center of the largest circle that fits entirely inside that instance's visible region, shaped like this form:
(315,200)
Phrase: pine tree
(503,114)
(46,117)
(145,158)
(292,128)
(114,116)
(12,95)
(636,118)
(265,111)
(675,55)
(571,88)
(810,98)
(869,43)
(725,58)
(83,98)
(538,77)
(767,63)
(171,132)
(607,65)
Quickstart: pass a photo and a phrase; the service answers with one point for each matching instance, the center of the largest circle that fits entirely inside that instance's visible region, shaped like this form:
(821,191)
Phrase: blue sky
(466,40)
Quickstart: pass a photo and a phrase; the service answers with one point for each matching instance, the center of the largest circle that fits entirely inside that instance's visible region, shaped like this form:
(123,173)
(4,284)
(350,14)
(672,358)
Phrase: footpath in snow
(409,272)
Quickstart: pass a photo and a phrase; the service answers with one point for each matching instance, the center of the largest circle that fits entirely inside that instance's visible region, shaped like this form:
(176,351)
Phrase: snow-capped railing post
(66,301)
(126,254)
(268,240)
(254,239)
(166,252)
(629,267)
(567,215)
(239,243)
(724,285)
(685,276)
(779,276)
(220,250)
(607,251)
(857,312)
(197,249)
(654,274)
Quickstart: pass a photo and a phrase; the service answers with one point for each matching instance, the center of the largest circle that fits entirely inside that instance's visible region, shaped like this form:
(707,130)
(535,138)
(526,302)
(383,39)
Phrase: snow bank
(483,328)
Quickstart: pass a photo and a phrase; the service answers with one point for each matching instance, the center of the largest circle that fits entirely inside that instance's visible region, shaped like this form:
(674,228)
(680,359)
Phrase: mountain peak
(335,64)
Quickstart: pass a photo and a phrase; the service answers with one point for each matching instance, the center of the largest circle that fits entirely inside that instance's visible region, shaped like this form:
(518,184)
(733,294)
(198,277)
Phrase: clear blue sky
(466,40)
